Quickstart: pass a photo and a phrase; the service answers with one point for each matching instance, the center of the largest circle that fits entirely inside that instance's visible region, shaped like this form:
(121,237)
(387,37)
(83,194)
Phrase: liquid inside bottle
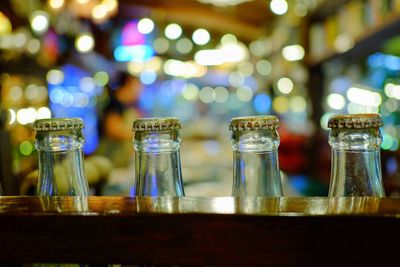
(356,161)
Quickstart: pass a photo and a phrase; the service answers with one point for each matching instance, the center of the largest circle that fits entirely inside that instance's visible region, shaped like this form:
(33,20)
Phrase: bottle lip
(266,122)
(58,124)
(355,121)
(156,124)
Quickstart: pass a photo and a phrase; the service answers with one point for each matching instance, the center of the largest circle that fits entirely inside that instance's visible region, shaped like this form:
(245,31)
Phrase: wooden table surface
(223,231)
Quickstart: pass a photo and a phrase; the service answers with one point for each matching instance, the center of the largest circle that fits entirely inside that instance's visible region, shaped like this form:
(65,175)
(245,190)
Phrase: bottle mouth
(260,147)
(156,146)
(355,139)
(255,141)
(163,142)
(59,143)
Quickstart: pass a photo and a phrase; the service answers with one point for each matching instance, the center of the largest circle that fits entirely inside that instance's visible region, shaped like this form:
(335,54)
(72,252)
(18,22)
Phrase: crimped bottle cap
(156,124)
(355,121)
(58,124)
(254,123)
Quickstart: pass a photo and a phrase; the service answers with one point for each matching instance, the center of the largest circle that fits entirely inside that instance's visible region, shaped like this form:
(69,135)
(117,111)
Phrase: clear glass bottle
(356,162)
(59,143)
(157,158)
(255,142)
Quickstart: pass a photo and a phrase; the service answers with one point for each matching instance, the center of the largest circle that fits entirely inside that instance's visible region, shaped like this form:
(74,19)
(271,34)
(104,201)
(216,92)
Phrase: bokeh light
(201,36)
(31,92)
(280,104)
(55,77)
(336,101)
(16,93)
(228,39)
(145,26)
(263,67)
(221,94)
(43,113)
(279,7)
(20,39)
(244,93)
(184,45)
(111,5)
(392,90)
(364,97)
(297,104)
(161,45)
(173,31)
(56,4)
(293,52)
(33,46)
(207,95)
(148,77)
(39,21)
(13,116)
(5,24)
(26,115)
(285,85)
(300,9)
(26,148)
(324,120)
(236,79)
(87,84)
(99,12)
(246,68)
(260,47)
(262,103)
(101,78)
(84,43)
(190,92)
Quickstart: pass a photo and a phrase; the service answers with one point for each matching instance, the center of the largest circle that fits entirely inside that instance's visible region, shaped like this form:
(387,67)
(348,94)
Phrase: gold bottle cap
(355,121)
(58,124)
(156,124)
(254,123)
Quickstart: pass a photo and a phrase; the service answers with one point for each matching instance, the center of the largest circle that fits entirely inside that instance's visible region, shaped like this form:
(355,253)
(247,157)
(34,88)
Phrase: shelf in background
(370,42)
(224,231)
(326,8)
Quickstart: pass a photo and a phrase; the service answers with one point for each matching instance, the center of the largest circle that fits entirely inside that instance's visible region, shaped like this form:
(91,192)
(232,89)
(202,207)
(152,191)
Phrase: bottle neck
(255,167)
(356,163)
(60,159)
(157,164)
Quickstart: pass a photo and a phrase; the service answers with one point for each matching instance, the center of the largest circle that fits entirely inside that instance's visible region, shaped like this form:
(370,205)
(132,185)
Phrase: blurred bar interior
(112,61)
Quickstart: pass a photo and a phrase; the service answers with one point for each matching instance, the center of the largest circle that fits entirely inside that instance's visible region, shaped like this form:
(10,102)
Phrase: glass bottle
(255,142)
(157,158)
(356,162)
(59,143)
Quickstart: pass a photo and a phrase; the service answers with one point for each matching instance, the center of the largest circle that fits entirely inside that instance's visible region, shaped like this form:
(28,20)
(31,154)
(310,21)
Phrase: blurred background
(112,61)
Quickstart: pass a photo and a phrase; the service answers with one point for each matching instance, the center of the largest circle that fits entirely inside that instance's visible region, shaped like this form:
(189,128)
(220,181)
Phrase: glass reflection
(64,204)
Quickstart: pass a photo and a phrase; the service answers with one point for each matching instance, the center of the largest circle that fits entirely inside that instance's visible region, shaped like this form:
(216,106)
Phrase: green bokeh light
(26,148)
(101,78)
(387,142)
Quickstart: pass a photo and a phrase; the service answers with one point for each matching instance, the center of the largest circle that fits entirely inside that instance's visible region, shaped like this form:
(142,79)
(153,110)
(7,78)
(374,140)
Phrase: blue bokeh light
(148,77)
(135,53)
(69,100)
(262,103)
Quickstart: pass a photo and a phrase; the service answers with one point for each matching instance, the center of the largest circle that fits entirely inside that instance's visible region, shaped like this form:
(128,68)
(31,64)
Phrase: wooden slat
(200,231)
